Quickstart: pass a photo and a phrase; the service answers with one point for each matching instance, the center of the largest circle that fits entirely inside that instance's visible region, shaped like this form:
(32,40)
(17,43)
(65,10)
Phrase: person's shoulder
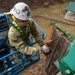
(12,29)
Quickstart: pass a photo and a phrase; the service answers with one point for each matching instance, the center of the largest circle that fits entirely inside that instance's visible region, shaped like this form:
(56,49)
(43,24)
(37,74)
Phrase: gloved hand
(46,48)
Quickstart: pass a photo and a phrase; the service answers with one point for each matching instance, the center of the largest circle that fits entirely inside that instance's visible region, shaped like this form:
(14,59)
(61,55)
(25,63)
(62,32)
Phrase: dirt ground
(57,12)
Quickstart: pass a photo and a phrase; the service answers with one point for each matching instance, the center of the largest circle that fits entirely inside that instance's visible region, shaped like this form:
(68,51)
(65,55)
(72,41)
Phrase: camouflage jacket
(21,42)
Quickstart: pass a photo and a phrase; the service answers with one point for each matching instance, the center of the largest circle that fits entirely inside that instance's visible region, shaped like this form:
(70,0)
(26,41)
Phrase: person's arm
(36,34)
(17,42)
(45,47)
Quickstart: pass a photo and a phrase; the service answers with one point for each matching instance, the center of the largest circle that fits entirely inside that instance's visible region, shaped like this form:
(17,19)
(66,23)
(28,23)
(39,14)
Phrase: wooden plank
(55,70)
(62,48)
(59,47)
(55,37)
(52,70)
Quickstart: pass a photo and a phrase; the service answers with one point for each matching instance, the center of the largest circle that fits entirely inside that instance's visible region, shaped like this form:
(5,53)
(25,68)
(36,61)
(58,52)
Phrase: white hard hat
(21,11)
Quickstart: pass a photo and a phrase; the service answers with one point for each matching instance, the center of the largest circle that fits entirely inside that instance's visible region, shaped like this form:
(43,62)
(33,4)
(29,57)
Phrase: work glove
(46,48)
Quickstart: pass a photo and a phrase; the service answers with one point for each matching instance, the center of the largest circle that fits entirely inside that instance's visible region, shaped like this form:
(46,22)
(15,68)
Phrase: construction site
(56,21)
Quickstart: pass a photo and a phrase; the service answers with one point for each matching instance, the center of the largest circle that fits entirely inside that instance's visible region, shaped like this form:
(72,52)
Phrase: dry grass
(56,11)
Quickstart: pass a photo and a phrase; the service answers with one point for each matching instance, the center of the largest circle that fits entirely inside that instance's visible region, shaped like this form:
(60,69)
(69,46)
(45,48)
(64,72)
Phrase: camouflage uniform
(21,42)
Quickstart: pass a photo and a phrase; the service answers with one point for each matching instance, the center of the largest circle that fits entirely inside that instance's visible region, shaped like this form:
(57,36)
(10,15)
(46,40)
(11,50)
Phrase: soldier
(21,28)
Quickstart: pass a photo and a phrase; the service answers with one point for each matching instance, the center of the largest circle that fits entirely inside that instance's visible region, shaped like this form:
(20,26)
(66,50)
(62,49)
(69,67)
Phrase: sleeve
(36,34)
(16,41)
